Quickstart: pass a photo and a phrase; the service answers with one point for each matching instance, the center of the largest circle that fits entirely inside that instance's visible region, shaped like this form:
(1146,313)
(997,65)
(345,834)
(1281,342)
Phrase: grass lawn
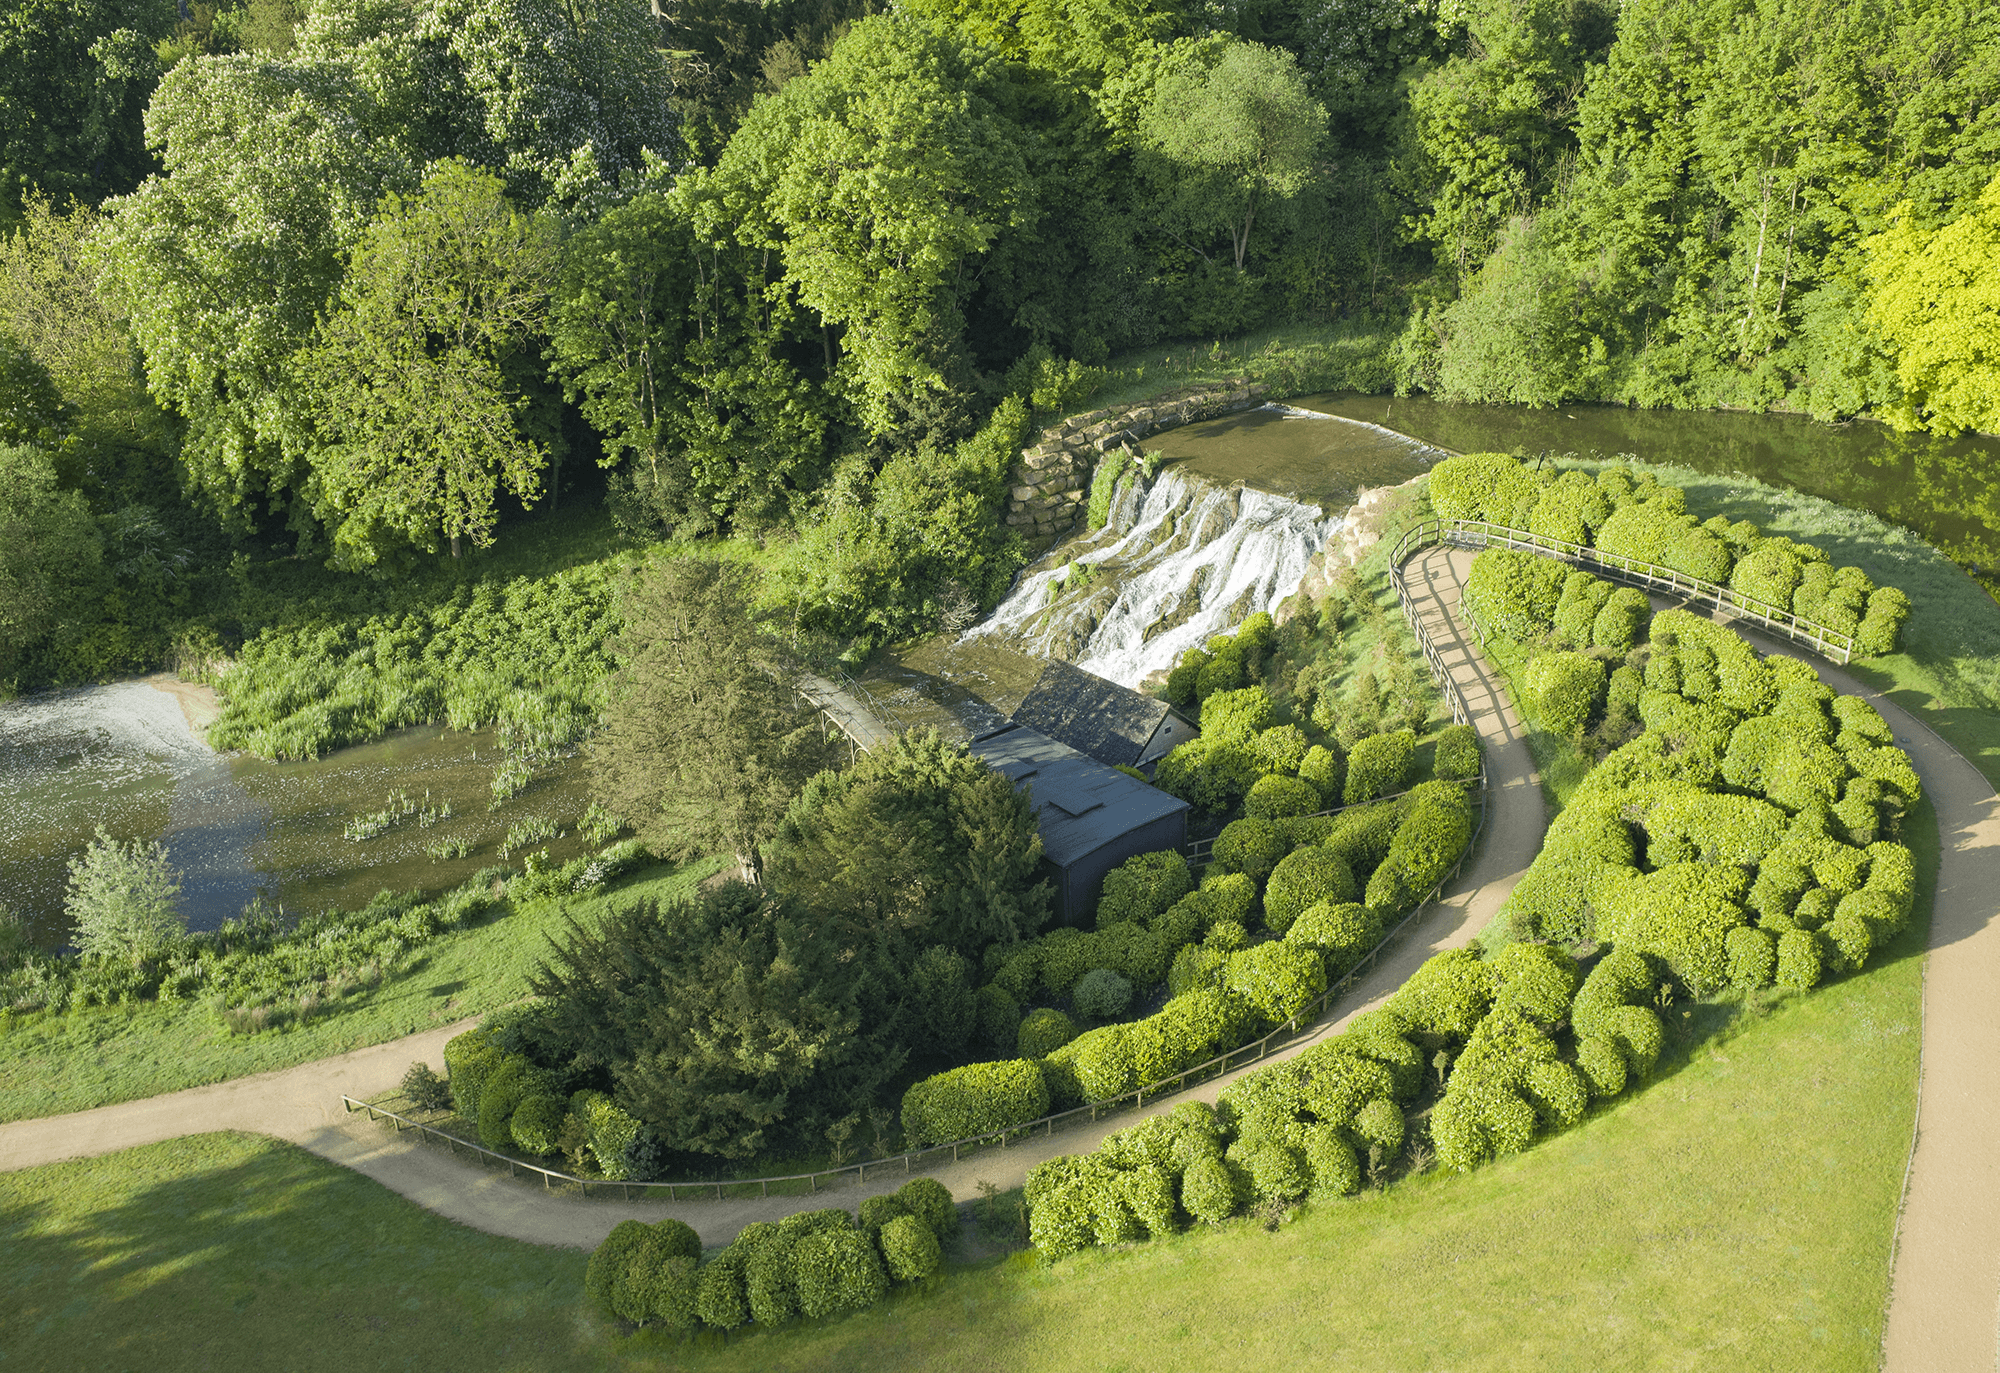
(1735,1213)
(93,1057)
(1293,359)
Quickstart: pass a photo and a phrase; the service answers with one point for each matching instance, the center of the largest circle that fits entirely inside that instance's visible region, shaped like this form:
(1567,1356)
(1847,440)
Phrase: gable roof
(1109,722)
(1081,804)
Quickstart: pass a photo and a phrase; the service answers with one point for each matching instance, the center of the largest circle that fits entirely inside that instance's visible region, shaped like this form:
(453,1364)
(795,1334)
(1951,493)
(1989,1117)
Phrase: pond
(124,757)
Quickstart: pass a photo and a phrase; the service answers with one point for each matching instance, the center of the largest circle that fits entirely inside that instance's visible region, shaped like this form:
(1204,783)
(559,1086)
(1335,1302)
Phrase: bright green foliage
(1101,994)
(1238,133)
(1209,1192)
(1458,754)
(1277,797)
(1278,980)
(1143,887)
(1695,825)
(1882,627)
(930,1201)
(1251,847)
(1513,593)
(1044,1031)
(123,899)
(1508,1078)
(1611,1008)
(1379,765)
(1436,827)
(978,1099)
(1305,877)
(1480,486)
(1444,1000)
(1583,598)
(1563,690)
(720,1299)
(1280,749)
(910,1249)
(1683,913)
(1326,768)
(876,1212)
(1622,622)
(1206,773)
(1537,981)
(837,1270)
(1801,960)
(50,552)
(1235,717)
(1935,303)
(537,1122)
(1339,932)
(1568,511)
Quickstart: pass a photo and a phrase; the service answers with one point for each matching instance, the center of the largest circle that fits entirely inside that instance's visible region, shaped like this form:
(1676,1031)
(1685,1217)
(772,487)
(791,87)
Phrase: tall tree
(1239,135)
(50,553)
(415,415)
(1936,303)
(704,742)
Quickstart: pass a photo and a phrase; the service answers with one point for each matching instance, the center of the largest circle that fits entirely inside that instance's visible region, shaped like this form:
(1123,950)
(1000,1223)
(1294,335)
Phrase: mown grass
(96,1056)
(1293,359)
(1737,1212)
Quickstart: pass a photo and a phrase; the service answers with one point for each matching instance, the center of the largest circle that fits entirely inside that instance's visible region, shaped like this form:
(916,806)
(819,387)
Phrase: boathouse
(1115,725)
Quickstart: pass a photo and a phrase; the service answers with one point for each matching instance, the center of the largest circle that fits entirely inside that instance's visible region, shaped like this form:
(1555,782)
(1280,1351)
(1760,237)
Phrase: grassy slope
(1294,359)
(120,1053)
(1735,1213)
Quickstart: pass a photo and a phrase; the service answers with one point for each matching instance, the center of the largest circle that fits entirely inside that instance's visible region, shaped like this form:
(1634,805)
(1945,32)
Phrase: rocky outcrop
(1049,488)
(1359,532)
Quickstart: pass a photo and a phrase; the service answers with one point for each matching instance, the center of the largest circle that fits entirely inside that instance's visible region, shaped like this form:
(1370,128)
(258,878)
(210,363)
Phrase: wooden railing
(1829,643)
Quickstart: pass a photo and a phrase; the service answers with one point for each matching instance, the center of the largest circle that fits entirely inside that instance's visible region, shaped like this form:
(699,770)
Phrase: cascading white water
(1178,563)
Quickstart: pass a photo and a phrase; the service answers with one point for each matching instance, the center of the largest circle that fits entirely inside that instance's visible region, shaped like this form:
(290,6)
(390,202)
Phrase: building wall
(1168,735)
(1083,881)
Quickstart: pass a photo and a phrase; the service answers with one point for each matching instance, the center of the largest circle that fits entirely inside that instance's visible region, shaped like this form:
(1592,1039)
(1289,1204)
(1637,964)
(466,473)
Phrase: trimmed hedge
(1236,717)
(1459,754)
(1277,980)
(1480,486)
(1436,826)
(1279,749)
(1250,846)
(1563,690)
(1214,774)
(1514,593)
(1101,995)
(1278,797)
(978,1099)
(1325,766)
(1340,932)
(1379,765)
(1302,878)
(1445,999)
(838,1270)
(1683,913)
(1583,598)
(1043,1032)
(1143,887)
(1622,620)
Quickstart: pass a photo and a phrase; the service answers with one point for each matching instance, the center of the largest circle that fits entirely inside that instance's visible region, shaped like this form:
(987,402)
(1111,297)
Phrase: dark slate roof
(1083,805)
(1109,722)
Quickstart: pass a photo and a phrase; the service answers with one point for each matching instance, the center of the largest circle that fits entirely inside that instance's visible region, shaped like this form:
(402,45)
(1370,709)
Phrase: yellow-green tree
(1936,303)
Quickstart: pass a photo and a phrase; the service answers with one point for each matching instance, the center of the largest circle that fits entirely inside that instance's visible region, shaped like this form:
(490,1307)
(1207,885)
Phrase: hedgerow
(1583,598)
(1458,756)
(977,1099)
(1435,828)
(1563,690)
(1278,797)
(1142,887)
(1339,931)
(1302,878)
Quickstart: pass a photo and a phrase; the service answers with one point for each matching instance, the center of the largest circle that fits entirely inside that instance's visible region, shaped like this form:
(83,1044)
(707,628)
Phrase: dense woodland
(360,282)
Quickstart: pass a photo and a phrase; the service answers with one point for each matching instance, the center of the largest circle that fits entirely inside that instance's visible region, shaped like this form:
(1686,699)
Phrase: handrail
(1829,643)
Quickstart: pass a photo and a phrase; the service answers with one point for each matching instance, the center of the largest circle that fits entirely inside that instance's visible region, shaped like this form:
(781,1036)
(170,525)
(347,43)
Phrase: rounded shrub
(1445,998)
(1881,628)
(1326,768)
(1621,621)
(837,1270)
(1143,887)
(1196,966)
(1236,717)
(719,1297)
(1379,765)
(1458,754)
(1208,1191)
(1602,1064)
(609,1263)
(877,1212)
(1213,774)
(1277,980)
(910,1249)
(1851,940)
(506,1087)
(1479,486)
(1800,960)
(1278,797)
(468,1059)
(978,1099)
(1514,594)
(1435,828)
(537,1123)
(1379,1125)
(1043,1032)
(930,1201)
(1103,1063)
(1331,1162)
(1753,957)
(1582,597)
(1563,689)
(1101,995)
(999,1016)
(1303,878)
(1182,682)
(1279,750)
(1340,932)
(1251,847)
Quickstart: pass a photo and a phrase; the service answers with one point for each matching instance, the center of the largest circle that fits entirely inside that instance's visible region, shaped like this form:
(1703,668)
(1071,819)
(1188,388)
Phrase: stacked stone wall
(1049,488)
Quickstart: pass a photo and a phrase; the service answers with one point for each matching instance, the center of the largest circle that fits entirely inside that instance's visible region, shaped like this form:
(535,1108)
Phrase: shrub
(1182,682)
(1103,1062)
(719,1297)
(1363,837)
(1479,486)
(1569,509)
(1279,749)
(1326,768)
(1753,958)
(1712,827)
(1227,896)
(1143,887)
(537,1123)
(1148,1193)
(611,1129)
(1303,878)
(1514,594)
(1602,1065)
(425,1089)
(1043,1032)
(1222,673)
(1562,690)
(767,1274)
(1800,960)
(1458,754)
(930,1201)
(1642,531)
(1436,826)
(1445,998)
(1379,765)
(1101,995)
(609,1264)
(1621,623)
(1250,847)
(1768,572)
(999,1019)
(978,1099)
(1235,717)
(1683,913)
(877,1212)
(910,1249)
(1277,980)
(1851,941)
(1331,1162)
(123,900)
(1536,980)
(507,1086)
(837,1270)
(1881,629)
(1339,932)
(1196,966)
(1276,797)
(1583,596)
(1208,1191)
(1214,774)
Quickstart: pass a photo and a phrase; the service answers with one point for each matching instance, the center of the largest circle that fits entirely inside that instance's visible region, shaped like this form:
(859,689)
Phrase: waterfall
(1178,562)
